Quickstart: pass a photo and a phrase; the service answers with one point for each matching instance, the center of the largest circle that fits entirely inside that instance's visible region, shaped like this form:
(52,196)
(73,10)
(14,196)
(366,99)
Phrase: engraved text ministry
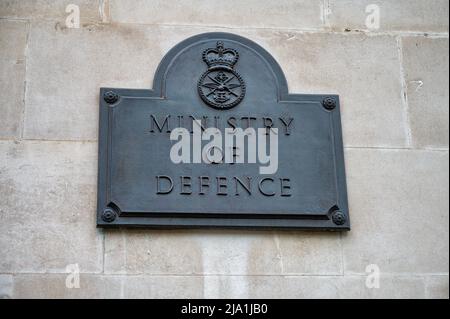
(198,143)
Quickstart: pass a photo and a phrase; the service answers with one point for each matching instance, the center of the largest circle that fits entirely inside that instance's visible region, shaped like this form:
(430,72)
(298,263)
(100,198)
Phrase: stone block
(51,10)
(311,287)
(36,286)
(6,286)
(364,71)
(399,209)
(425,63)
(190,252)
(301,14)
(13,42)
(62,96)
(390,287)
(59,286)
(395,15)
(437,287)
(151,252)
(163,287)
(196,287)
(47,207)
(221,252)
(309,253)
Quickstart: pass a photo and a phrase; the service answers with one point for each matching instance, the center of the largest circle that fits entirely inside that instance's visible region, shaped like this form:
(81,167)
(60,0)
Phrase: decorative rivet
(339,218)
(110,97)
(109,215)
(329,103)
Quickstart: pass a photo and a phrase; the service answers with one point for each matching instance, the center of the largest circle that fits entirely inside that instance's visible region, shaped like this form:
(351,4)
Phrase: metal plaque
(220,142)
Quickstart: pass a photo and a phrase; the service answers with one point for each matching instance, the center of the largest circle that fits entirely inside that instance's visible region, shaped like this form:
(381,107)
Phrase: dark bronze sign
(219,142)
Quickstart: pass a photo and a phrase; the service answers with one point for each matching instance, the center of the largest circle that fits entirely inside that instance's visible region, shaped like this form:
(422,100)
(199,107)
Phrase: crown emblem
(220,57)
(221,86)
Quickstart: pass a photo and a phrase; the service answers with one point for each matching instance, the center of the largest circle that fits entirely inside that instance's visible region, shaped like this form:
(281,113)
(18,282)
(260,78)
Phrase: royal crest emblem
(221,86)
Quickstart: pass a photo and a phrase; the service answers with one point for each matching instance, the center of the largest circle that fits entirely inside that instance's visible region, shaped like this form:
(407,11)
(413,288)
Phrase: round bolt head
(329,103)
(339,218)
(110,97)
(109,215)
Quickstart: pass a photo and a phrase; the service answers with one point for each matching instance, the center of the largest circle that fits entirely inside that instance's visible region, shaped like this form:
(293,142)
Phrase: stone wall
(393,83)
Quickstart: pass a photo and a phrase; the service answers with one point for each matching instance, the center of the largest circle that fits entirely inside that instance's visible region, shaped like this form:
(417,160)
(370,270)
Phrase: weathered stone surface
(155,252)
(163,287)
(390,287)
(364,71)
(332,287)
(293,287)
(395,15)
(437,287)
(38,286)
(166,287)
(13,42)
(302,14)
(221,253)
(160,252)
(425,62)
(62,96)
(309,253)
(47,207)
(257,253)
(323,64)
(50,10)
(6,286)
(238,252)
(399,208)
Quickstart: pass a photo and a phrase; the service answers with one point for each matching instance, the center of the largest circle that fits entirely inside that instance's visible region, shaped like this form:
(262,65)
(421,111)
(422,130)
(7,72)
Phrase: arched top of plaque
(226,68)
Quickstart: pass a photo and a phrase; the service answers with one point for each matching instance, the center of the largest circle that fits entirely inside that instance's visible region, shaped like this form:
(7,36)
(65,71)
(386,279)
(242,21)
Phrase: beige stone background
(393,83)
